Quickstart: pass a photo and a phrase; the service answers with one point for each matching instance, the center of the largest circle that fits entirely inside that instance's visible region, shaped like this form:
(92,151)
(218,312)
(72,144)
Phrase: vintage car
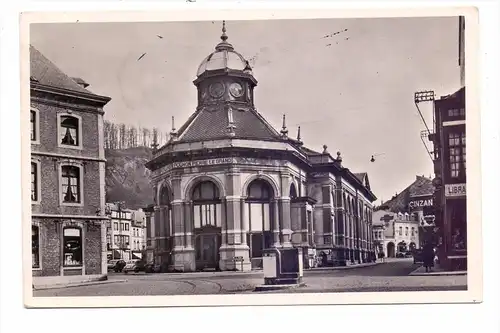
(134,266)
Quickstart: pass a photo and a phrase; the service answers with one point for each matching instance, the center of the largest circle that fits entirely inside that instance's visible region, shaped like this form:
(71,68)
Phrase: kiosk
(283,268)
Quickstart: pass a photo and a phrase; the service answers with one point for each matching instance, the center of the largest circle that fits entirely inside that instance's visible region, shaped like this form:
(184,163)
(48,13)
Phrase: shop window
(69,131)
(35,246)
(72,247)
(71,184)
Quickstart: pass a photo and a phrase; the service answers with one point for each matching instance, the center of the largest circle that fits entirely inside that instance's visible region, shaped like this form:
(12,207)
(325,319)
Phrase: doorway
(207,244)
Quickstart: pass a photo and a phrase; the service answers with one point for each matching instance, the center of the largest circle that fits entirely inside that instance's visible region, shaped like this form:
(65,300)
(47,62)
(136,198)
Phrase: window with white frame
(69,131)
(207,207)
(35,246)
(71,188)
(72,246)
(33,125)
(456,143)
(34,181)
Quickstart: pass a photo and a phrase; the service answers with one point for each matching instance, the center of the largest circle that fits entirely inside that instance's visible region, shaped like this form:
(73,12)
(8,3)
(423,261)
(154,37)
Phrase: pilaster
(284,207)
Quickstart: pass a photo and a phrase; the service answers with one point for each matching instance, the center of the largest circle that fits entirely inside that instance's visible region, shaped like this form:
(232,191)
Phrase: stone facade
(227,185)
(67,174)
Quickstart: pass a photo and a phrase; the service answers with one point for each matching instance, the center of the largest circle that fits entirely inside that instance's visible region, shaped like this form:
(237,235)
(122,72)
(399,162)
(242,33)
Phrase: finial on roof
(284,130)
(339,158)
(298,135)
(223,36)
(325,151)
(173,132)
(224,45)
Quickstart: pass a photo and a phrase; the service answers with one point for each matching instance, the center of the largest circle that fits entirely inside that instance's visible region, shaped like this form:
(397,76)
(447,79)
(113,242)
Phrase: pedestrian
(428,256)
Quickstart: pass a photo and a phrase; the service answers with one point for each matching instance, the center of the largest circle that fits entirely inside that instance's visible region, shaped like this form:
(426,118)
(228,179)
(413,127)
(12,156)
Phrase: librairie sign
(455,190)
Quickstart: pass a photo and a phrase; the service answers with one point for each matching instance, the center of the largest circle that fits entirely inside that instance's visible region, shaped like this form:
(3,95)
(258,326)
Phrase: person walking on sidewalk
(428,256)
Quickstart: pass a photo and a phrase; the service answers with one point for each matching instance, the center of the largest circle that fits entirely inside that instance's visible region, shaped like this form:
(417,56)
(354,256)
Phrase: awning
(136,255)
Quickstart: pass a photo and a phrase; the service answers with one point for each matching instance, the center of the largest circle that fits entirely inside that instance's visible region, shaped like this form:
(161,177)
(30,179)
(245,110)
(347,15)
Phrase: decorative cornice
(69,93)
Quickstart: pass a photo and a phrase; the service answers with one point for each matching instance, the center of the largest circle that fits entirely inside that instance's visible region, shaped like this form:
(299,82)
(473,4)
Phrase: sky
(352,92)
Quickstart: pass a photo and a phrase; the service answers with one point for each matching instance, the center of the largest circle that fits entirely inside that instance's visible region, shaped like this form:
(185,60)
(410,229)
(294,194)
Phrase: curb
(81,284)
(445,273)
(278,287)
(334,268)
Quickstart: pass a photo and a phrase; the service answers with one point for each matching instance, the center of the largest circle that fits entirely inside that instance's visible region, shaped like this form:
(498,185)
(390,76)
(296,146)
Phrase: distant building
(395,232)
(417,202)
(126,232)
(227,185)
(67,174)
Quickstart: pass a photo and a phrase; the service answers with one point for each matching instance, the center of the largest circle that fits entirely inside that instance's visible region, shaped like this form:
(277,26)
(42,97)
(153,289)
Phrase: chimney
(80,82)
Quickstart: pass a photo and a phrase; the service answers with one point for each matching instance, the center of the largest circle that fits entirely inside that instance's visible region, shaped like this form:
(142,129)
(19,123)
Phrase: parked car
(418,257)
(134,266)
(152,268)
(116,265)
(400,255)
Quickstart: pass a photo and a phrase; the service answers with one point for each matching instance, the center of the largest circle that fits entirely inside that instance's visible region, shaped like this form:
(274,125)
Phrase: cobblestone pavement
(390,276)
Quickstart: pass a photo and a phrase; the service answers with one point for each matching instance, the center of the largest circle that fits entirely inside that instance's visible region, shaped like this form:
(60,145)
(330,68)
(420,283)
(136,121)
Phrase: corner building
(228,185)
(68,241)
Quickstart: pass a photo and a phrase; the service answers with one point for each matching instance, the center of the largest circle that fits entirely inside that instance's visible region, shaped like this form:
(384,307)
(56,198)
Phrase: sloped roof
(361,176)
(212,123)
(420,187)
(45,72)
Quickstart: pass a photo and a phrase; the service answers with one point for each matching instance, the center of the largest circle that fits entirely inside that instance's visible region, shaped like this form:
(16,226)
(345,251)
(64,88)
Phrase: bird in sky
(141,56)
(161,37)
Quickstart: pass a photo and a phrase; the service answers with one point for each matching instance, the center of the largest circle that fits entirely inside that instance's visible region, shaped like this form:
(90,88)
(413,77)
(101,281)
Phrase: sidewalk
(54,282)
(436,271)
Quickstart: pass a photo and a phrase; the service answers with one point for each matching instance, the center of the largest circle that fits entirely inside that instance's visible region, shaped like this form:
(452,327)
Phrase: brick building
(228,185)
(449,159)
(67,175)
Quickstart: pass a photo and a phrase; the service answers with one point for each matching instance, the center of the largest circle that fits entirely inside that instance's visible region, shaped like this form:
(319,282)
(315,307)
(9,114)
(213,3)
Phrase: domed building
(227,185)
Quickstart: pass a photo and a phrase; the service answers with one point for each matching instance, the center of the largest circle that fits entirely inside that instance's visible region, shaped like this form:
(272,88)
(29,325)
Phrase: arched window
(165,202)
(406,231)
(413,231)
(69,131)
(400,231)
(293,191)
(72,246)
(206,205)
(71,184)
(259,217)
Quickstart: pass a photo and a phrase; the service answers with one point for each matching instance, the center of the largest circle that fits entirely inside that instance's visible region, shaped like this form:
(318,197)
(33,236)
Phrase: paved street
(389,276)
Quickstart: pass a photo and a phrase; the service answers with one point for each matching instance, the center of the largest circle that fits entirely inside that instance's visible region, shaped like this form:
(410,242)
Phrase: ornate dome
(224,57)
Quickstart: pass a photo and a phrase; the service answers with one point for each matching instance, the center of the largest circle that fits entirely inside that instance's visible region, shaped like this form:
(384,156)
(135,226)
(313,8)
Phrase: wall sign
(421,203)
(217,161)
(455,190)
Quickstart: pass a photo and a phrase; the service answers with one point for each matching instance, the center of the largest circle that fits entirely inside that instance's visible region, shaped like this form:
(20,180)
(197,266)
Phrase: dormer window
(69,134)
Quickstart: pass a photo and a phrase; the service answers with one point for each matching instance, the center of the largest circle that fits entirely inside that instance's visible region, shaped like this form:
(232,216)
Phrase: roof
(45,72)
(210,123)
(422,186)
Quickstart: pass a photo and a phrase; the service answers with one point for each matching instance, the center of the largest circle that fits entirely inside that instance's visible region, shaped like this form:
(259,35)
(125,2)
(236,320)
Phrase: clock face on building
(217,90)
(236,89)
